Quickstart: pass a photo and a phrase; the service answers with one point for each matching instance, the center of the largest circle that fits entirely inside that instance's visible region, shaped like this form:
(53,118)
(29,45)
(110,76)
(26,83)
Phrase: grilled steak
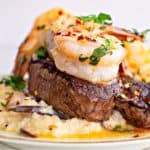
(70,95)
(134,101)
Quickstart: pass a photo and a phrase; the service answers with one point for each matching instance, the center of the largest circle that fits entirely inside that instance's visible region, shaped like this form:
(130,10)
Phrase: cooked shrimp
(54,20)
(70,46)
(122,34)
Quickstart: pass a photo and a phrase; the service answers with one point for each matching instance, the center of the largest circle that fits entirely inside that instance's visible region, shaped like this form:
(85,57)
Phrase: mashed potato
(36,125)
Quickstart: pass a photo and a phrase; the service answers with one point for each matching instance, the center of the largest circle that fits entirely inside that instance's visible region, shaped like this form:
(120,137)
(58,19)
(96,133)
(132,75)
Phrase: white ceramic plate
(17,142)
(17,17)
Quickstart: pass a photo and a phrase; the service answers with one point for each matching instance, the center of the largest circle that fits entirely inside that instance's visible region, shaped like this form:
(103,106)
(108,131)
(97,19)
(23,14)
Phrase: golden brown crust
(34,41)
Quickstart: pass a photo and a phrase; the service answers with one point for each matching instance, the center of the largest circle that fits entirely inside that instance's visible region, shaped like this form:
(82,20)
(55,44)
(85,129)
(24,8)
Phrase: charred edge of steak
(134,101)
(134,92)
(73,96)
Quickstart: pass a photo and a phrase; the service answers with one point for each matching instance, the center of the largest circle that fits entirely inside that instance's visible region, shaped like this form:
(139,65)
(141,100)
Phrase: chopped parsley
(3,104)
(120,129)
(117,127)
(82,58)
(109,44)
(42,52)
(127,130)
(142,34)
(101,18)
(98,53)
(15,82)
(41,27)
(87,18)
(134,31)
(103,27)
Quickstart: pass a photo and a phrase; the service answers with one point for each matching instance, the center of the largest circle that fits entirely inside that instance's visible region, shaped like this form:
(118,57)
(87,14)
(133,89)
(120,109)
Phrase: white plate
(17,17)
(24,143)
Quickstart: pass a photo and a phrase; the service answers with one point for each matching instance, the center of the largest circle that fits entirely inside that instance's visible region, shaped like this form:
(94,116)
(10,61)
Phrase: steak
(134,101)
(71,95)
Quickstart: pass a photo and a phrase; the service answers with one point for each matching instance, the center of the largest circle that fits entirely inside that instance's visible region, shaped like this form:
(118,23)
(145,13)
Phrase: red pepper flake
(17,103)
(80,37)
(67,34)
(73,34)
(78,21)
(60,12)
(89,39)
(58,33)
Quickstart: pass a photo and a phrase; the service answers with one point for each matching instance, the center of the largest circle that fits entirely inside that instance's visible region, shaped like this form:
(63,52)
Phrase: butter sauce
(101,135)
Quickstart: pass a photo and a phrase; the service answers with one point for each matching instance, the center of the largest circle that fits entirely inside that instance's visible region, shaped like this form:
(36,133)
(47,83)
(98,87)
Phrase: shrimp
(52,20)
(122,34)
(69,47)
(49,24)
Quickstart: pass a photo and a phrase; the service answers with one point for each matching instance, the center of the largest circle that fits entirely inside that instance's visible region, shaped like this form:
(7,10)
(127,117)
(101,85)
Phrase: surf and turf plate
(78,81)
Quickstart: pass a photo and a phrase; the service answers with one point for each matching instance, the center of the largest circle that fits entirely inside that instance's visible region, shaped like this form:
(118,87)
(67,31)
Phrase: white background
(17,17)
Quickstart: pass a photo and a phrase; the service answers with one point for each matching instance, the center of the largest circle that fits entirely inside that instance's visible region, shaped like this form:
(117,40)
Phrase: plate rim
(45,142)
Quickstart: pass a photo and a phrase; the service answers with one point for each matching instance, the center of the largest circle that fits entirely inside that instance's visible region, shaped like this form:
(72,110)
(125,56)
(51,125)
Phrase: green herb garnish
(87,18)
(117,127)
(100,52)
(103,27)
(109,44)
(41,27)
(42,52)
(97,54)
(127,130)
(104,18)
(15,82)
(120,129)
(142,34)
(101,18)
(134,31)
(82,58)
(3,104)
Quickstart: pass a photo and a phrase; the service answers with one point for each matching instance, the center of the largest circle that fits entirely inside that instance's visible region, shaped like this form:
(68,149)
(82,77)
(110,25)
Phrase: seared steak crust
(134,101)
(70,95)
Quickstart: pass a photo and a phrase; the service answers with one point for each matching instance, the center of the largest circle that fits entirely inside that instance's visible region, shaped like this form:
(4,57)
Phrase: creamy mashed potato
(36,124)
(52,127)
